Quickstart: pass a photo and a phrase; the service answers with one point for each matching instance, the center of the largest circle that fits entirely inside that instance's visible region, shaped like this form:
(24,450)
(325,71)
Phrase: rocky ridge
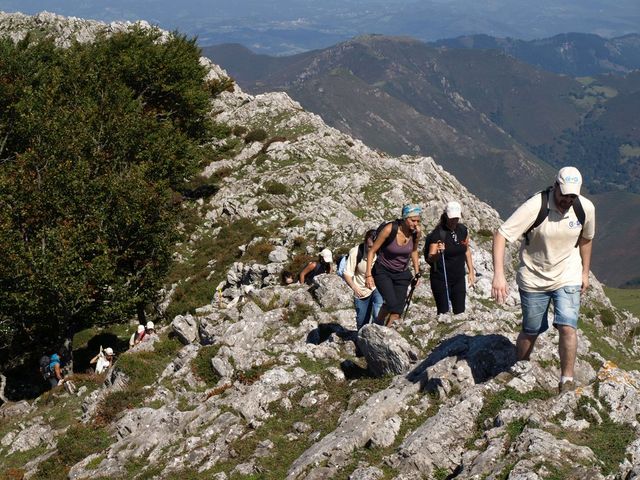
(287,397)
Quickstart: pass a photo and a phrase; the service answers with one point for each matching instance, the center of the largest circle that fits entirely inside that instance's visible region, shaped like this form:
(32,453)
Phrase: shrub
(264,205)
(257,135)
(298,314)
(259,252)
(77,443)
(201,365)
(276,188)
(239,130)
(607,317)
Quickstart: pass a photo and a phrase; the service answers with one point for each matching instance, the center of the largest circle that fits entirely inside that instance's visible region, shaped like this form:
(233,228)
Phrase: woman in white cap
(447,251)
(323,265)
(137,336)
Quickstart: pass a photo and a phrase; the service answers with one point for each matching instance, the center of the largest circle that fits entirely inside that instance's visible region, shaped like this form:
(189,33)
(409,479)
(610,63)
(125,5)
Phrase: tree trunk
(142,316)
(3,384)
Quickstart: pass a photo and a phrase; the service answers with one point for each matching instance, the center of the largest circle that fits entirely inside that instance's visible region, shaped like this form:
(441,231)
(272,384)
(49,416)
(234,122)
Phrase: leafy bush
(298,314)
(277,188)
(77,443)
(239,130)
(264,205)
(259,252)
(99,136)
(257,135)
(201,365)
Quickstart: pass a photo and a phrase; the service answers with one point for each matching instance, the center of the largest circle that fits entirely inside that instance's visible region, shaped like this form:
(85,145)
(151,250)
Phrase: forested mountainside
(251,379)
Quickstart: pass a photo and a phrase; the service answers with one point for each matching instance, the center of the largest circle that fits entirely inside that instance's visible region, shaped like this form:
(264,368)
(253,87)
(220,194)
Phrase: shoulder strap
(543,213)
(582,217)
(461,231)
(392,235)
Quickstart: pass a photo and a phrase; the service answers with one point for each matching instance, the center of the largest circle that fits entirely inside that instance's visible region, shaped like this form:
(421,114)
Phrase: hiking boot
(568,386)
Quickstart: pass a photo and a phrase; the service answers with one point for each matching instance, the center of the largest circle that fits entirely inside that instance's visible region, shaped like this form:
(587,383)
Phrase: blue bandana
(411,210)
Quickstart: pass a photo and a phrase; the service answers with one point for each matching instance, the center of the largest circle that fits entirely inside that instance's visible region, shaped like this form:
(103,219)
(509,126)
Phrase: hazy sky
(302,24)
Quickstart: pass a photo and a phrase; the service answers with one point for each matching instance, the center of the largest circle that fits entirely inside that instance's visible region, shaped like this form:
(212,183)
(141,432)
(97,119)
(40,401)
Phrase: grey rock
(186,328)
(385,350)
(279,254)
(30,437)
(366,473)
(332,292)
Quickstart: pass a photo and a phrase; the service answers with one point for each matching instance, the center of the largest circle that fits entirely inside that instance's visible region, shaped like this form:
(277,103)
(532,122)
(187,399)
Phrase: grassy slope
(616,250)
(625,298)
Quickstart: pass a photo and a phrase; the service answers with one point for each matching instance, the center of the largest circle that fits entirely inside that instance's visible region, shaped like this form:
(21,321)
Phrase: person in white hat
(137,336)
(323,265)
(447,252)
(558,226)
(103,360)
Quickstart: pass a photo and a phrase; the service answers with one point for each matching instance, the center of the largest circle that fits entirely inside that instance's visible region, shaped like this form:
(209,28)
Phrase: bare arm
(499,288)
(585,247)
(415,258)
(306,270)
(469,259)
(384,234)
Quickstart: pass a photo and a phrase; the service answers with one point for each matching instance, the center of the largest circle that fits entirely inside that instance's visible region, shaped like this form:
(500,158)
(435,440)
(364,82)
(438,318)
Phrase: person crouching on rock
(137,336)
(396,247)
(323,265)
(366,300)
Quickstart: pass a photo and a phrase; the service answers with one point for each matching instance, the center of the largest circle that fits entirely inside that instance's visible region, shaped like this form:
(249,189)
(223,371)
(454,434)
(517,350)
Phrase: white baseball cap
(453,210)
(150,325)
(569,180)
(326,255)
(108,351)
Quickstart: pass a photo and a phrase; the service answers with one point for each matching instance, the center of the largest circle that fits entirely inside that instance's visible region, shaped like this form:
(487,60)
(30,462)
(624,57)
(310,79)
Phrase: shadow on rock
(324,331)
(485,357)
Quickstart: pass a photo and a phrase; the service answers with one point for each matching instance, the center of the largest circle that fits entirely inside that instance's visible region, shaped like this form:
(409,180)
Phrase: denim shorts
(535,308)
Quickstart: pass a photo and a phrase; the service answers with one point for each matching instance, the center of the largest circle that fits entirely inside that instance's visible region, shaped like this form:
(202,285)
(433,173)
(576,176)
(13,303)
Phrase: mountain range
(501,125)
(248,378)
(294,26)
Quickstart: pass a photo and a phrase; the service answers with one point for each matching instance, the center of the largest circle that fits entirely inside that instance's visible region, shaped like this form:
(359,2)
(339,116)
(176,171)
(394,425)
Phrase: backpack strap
(579,211)
(543,213)
(392,235)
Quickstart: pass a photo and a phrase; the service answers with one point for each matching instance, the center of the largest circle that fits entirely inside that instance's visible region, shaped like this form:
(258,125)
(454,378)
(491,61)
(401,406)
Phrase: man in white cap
(554,265)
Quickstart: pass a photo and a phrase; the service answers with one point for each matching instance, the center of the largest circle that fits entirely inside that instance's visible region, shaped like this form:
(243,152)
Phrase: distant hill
(403,96)
(575,54)
(500,125)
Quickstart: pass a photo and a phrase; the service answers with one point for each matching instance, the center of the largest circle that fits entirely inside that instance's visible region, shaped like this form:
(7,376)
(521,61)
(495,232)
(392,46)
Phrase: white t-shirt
(551,260)
(358,272)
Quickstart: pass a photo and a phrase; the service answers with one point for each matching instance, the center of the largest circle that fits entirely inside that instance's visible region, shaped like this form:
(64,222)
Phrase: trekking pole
(414,282)
(446,283)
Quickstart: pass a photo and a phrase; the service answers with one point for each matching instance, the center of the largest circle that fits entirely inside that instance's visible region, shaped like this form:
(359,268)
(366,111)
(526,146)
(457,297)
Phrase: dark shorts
(392,286)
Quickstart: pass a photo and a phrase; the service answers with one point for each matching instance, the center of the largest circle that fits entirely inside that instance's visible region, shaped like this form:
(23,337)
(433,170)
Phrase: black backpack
(45,361)
(544,213)
(395,224)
